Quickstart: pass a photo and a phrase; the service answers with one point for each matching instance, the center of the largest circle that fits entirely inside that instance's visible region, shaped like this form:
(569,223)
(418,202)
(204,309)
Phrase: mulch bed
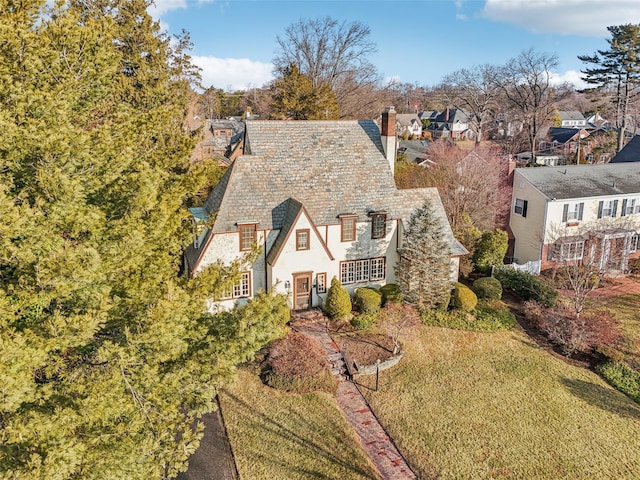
(366,348)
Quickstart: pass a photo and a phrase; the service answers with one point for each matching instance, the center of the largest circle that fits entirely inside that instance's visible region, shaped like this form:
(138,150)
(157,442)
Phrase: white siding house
(577,213)
(319,198)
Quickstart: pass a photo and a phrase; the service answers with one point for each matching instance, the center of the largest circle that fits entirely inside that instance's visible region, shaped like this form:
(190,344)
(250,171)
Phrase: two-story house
(320,200)
(572,119)
(577,213)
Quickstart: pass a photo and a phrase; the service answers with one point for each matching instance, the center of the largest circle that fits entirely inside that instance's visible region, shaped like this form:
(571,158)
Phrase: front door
(301,291)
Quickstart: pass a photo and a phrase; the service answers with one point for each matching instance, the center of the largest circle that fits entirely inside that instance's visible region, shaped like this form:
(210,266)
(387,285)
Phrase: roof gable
(294,211)
(629,153)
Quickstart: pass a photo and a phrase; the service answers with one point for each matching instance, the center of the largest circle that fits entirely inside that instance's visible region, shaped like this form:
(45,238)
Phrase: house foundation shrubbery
(527,286)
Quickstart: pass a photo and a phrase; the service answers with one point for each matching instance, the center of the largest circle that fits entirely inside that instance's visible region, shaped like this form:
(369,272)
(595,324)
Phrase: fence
(532,267)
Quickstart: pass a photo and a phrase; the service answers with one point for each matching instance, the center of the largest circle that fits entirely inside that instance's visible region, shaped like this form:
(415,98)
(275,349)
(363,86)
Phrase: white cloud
(570,76)
(159,7)
(233,73)
(571,17)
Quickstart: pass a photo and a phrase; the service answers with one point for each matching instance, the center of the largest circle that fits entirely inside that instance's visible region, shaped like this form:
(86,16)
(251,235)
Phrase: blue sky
(418,41)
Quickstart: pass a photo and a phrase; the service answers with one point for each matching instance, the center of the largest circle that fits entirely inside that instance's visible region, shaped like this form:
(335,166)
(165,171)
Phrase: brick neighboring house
(577,213)
(219,137)
(452,123)
(319,197)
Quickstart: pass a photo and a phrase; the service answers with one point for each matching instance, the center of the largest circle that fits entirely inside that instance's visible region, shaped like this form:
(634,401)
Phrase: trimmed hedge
(622,377)
(337,306)
(391,293)
(487,287)
(298,364)
(365,320)
(463,297)
(527,286)
(367,300)
(484,319)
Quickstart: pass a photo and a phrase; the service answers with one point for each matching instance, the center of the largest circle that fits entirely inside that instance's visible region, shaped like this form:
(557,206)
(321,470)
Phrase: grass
(277,435)
(484,406)
(625,310)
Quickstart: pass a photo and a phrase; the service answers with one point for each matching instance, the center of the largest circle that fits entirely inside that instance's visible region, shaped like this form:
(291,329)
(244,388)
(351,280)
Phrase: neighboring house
(452,123)
(573,119)
(629,153)
(410,123)
(561,144)
(596,121)
(415,150)
(219,137)
(320,199)
(577,213)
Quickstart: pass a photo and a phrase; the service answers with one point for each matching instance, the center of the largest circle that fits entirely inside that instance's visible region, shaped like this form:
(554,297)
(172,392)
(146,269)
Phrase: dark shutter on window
(623,212)
(524,208)
(614,212)
(580,210)
(600,209)
(565,212)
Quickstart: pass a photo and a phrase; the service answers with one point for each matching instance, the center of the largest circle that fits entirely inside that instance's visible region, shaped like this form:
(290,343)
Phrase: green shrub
(622,378)
(367,300)
(487,287)
(338,303)
(527,286)
(486,318)
(365,320)
(490,250)
(463,297)
(391,293)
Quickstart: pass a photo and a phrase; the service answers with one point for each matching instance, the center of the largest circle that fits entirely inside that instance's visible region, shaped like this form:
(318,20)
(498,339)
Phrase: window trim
(244,285)
(242,228)
(380,231)
(298,233)
(360,270)
(562,249)
(522,208)
(573,212)
(321,287)
(343,220)
(612,208)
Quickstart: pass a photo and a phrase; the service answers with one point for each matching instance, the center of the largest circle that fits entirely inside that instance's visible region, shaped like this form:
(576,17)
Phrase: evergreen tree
(108,357)
(424,268)
(295,97)
(618,68)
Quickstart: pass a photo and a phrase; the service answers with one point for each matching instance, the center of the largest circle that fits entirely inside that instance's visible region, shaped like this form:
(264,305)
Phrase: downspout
(264,241)
(544,233)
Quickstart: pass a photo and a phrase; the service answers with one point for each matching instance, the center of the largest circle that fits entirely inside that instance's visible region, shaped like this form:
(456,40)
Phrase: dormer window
(248,237)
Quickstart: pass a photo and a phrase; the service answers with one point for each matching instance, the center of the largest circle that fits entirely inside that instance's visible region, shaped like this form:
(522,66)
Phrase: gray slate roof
(330,167)
(580,181)
(571,115)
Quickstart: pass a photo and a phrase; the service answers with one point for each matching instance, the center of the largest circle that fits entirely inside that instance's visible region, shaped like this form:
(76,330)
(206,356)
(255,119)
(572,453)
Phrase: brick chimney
(388,136)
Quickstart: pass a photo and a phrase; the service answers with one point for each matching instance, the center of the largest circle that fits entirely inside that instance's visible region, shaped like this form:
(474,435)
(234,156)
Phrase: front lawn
(625,310)
(476,405)
(277,435)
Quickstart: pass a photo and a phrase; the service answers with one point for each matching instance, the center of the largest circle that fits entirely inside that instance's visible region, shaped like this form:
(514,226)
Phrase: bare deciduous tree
(475,89)
(330,53)
(526,84)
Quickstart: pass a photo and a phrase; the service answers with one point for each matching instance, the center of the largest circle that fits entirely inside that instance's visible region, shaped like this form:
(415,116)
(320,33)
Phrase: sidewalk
(374,439)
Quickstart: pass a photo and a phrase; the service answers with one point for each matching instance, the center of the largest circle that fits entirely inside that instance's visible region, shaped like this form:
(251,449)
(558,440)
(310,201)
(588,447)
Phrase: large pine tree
(107,356)
(423,273)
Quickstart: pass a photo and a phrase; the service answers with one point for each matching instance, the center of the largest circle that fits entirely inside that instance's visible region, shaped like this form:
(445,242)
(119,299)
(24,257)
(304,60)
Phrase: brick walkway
(375,440)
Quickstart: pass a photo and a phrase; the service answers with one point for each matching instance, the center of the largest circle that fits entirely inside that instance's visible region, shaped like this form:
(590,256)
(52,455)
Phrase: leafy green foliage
(367,300)
(487,287)
(463,297)
(622,377)
(108,357)
(338,303)
(295,97)
(424,267)
(487,317)
(527,286)
(490,250)
(391,293)
(364,321)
